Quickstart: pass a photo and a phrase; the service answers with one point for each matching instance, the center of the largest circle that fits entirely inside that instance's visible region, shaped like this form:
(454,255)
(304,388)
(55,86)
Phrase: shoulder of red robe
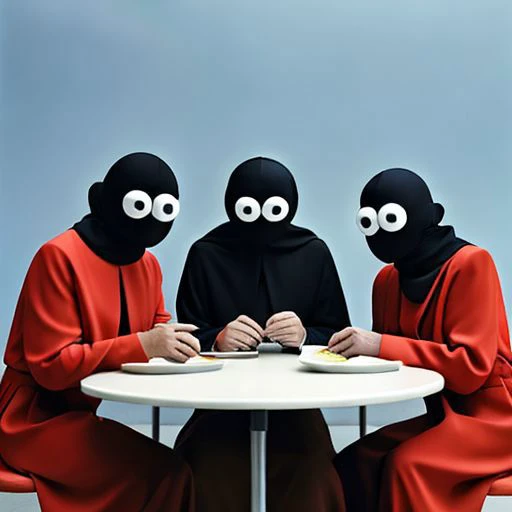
(384,274)
(471,261)
(152,261)
(54,254)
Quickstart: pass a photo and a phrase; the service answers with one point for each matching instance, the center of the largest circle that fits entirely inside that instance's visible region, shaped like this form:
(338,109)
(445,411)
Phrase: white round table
(273,381)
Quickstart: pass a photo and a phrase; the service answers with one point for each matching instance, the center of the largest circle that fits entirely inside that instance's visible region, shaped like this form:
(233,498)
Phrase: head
(396,212)
(137,200)
(261,198)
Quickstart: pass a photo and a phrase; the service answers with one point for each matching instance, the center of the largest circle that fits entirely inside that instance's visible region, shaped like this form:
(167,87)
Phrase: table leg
(155,423)
(362,421)
(259,425)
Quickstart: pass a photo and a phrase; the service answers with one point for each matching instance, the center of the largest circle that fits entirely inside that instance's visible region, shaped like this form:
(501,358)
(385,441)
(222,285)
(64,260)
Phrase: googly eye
(247,209)
(165,207)
(137,204)
(392,217)
(366,221)
(275,209)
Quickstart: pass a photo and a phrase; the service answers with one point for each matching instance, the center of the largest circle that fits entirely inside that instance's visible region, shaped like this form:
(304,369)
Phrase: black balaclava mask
(261,199)
(133,208)
(401,224)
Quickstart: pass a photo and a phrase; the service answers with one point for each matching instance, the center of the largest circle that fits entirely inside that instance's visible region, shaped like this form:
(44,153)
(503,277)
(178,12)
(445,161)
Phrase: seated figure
(254,279)
(437,305)
(91,301)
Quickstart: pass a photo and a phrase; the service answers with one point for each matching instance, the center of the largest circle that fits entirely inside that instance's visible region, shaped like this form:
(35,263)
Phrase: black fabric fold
(106,244)
(419,269)
(231,236)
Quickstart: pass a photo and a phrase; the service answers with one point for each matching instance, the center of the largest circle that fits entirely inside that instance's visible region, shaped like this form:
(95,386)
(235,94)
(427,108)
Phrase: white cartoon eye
(392,217)
(165,207)
(275,209)
(366,221)
(137,204)
(247,209)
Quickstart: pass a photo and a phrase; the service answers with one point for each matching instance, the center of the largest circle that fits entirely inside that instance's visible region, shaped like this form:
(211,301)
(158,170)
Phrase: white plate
(239,354)
(358,364)
(159,365)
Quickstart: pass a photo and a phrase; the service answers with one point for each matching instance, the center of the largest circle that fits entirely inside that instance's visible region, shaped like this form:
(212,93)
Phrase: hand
(353,341)
(240,334)
(172,341)
(285,328)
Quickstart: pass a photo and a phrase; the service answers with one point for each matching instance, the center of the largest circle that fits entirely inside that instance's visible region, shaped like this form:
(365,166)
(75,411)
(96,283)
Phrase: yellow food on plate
(208,359)
(326,355)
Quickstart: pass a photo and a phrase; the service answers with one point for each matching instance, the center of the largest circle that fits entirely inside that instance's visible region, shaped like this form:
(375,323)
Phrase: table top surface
(273,381)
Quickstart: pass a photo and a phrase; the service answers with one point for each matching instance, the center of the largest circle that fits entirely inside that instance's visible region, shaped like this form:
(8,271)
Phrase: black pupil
(139,205)
(391,217)
(247,210)
(366,222)
(168,208)
(276,210)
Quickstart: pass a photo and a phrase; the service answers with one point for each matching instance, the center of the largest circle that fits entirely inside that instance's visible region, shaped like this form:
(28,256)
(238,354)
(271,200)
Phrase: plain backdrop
(336,90)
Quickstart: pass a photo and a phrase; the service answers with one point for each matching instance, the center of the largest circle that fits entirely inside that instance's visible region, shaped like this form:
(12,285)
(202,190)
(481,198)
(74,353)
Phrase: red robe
(446,459)
(64,329)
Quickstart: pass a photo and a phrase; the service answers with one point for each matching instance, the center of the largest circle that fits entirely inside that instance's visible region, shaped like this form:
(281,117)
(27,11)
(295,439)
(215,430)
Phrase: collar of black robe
(419,269)
(231,237)
(105,244)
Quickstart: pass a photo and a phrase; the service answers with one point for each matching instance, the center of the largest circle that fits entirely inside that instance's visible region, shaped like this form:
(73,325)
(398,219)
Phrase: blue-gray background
(337,90)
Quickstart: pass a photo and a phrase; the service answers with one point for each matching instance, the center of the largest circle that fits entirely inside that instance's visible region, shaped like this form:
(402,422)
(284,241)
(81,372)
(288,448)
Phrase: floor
(341,436)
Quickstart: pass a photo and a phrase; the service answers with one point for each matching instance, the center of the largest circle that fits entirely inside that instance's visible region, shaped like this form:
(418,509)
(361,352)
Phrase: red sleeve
(56,355)
(162,316)
(380,286)
(470,325)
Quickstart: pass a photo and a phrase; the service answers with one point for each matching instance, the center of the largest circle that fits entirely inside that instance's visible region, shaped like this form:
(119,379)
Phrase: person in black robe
(254,279)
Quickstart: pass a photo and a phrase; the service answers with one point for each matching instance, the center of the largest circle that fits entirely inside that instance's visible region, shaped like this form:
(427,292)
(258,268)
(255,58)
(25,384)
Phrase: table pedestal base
(259,424)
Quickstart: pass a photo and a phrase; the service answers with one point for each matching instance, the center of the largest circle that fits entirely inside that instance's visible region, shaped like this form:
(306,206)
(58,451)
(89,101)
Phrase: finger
(246,329)
(188,339)
(293,335)
(177,356)
(342,346)
(340,336)
(240,345)
(251,323)
(184,327)
(280,316)
(334,340)
(351,351)
(334,349)
(183,354)
(284,334)
(186,349)
(226,346)
(243,334)
(348,331)
(245,339)
(281,324)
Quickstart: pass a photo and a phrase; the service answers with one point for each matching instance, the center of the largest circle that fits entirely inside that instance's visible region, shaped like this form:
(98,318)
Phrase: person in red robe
(438,307)
(91,301)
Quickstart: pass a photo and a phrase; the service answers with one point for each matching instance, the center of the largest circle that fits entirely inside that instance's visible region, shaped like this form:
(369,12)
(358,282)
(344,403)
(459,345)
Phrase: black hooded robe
(224,278)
